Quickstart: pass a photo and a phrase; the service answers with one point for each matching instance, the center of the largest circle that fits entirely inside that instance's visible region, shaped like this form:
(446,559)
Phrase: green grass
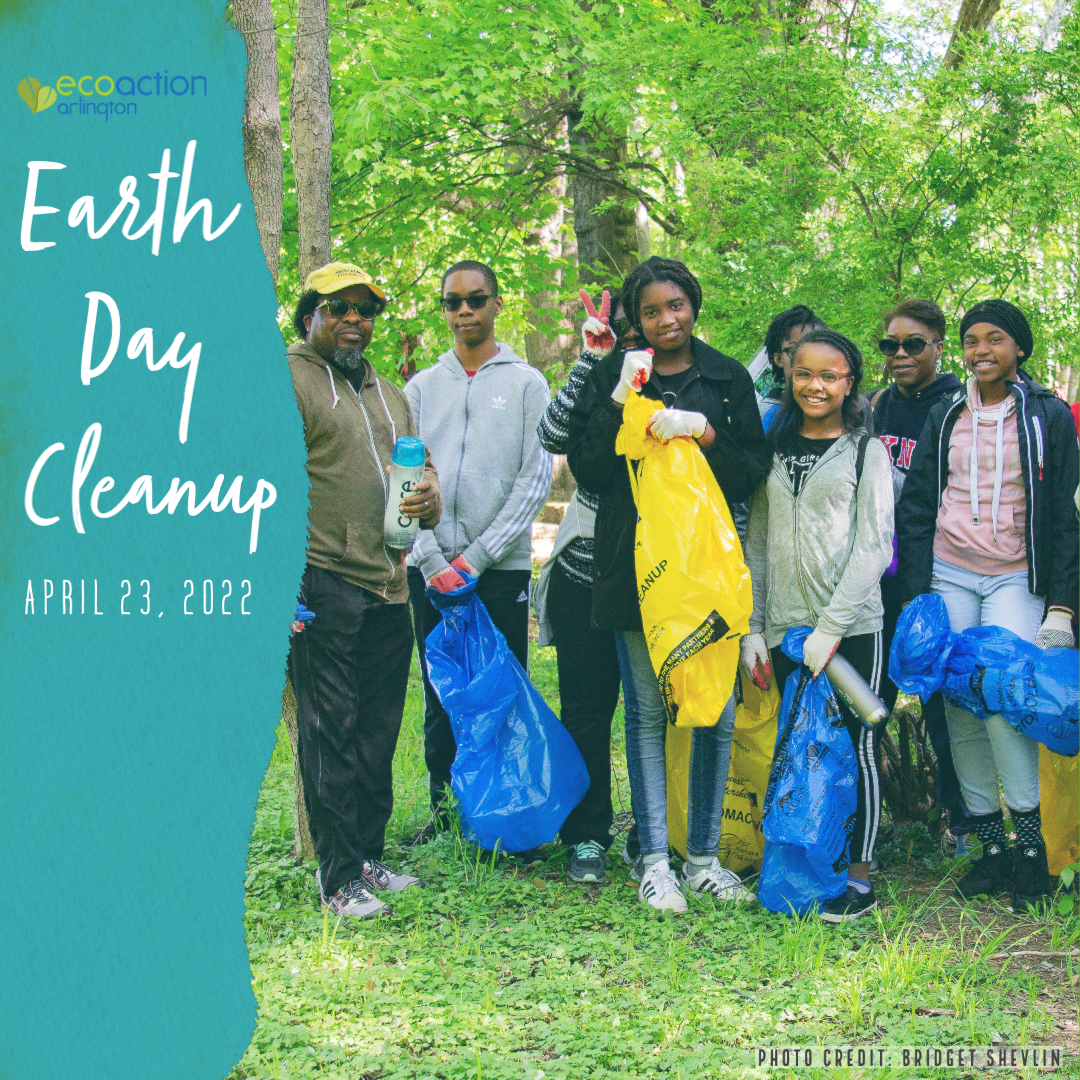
(500,971)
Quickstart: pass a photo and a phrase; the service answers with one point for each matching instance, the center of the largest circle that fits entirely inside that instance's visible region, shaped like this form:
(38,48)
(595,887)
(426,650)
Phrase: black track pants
(349,670)
(589,692)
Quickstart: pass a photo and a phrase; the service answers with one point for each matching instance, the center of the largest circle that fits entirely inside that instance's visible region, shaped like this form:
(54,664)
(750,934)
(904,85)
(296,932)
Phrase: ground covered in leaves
(502,970)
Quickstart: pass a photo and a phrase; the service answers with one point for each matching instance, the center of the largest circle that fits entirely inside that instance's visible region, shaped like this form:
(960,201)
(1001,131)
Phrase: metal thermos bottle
(406,471)
(851,686)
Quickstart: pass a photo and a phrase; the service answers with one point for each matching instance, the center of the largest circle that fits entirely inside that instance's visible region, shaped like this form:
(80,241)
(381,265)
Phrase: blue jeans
(646,734)
(985,749)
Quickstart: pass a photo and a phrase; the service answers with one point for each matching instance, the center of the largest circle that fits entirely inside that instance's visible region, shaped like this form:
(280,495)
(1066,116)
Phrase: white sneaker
(718,882)
(377,875)
(660,889)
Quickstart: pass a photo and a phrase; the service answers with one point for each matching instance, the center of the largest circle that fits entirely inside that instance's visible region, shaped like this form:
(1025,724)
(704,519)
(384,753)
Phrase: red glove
(597,335)
(446,580)
(462,567)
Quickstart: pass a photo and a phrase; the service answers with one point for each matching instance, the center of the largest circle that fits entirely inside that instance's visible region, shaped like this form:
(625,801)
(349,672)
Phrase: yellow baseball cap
(338,275)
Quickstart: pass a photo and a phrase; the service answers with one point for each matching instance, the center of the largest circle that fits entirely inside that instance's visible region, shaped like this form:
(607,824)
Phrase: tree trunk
(974,17)
(263,157)
(1048,39)
(544,350)
(311,131)
(303,846)
(611,238)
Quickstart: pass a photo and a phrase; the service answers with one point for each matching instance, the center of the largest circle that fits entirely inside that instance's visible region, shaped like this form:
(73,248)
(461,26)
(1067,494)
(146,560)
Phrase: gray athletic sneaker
(716,881)
(352,900)
(586,861)
(377,875)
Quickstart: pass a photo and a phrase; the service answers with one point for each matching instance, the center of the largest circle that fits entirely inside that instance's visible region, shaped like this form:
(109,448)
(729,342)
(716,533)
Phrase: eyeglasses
(802,377)
(453,303)
(338,309)
(913,346)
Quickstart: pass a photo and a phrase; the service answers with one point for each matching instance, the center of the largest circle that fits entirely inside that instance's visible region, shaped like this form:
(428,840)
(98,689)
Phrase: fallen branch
(1012,955)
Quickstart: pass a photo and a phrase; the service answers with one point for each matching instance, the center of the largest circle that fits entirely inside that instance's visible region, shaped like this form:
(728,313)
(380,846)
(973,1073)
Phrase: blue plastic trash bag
(991,670)
(987,670)
(810,804)
(921,646)
(517,773)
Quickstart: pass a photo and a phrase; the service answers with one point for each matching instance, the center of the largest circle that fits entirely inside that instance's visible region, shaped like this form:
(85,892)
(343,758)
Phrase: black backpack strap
(860,458)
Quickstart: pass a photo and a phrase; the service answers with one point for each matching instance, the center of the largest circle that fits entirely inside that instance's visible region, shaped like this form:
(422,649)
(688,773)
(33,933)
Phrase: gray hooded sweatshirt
(482,432)
(816,560)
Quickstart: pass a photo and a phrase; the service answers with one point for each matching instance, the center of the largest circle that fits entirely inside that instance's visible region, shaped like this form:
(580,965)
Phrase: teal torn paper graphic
(135,744)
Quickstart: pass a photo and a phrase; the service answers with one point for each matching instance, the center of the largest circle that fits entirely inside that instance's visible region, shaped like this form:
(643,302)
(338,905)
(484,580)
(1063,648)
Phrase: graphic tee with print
(801,456)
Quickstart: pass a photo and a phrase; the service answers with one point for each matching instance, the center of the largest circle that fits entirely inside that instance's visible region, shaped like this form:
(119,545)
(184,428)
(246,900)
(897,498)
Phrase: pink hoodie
(980,525)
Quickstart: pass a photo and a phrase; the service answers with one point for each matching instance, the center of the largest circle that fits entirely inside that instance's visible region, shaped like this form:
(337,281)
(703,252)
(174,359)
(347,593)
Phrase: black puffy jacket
(739,458)
(1050,463)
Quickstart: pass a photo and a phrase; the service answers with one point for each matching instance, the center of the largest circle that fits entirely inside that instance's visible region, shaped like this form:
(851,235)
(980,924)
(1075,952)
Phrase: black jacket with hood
(739,457)
(1050,464)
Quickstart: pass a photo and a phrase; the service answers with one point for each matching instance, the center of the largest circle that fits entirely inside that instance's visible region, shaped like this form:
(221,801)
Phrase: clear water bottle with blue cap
(406,471)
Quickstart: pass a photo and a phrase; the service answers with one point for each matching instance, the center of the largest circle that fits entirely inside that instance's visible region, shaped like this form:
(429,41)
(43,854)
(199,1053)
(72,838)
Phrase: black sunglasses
(338,309)
(913,346)
(453,303)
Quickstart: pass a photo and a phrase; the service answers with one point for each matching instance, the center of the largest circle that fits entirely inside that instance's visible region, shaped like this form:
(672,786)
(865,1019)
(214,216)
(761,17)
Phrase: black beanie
(1002,314)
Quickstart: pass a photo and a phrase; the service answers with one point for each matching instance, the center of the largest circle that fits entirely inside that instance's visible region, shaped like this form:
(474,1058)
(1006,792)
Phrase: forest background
(844,154)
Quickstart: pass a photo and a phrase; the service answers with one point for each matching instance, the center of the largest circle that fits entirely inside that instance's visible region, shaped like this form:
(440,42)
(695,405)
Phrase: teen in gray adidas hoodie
(477,410)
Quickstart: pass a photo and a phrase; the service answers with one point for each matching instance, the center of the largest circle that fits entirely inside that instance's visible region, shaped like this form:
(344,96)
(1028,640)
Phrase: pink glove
(462,567)
(636,369)
(446,580)
(597,335)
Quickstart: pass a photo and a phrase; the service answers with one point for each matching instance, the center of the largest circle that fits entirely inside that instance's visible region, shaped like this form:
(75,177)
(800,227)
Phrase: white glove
(818,651)
(1056,632)
(673,423)
(754,659)
(636,369)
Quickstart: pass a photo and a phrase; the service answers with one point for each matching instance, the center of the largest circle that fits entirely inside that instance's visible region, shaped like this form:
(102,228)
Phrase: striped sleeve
(555,423)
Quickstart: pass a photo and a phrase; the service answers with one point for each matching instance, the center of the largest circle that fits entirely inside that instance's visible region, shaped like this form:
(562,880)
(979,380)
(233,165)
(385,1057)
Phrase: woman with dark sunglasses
(914,333)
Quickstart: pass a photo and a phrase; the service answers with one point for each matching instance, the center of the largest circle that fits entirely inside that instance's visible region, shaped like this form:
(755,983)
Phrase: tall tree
(263,157)
(311,133)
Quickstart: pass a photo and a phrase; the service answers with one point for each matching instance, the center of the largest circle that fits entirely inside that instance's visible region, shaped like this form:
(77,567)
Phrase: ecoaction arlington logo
(91,89)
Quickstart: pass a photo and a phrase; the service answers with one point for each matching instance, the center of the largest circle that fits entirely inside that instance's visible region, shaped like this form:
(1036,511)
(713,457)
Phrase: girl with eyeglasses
(818,540)
(987,521)
(709,398)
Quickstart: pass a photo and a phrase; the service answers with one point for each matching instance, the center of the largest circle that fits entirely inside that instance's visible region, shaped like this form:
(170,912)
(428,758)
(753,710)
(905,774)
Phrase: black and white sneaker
(660,889)
(631,850)
(352,900)
(717,882)
(849,905)
(377,875)
(586,862)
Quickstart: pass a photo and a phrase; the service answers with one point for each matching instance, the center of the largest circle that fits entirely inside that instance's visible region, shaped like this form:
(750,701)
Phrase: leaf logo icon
(37,97)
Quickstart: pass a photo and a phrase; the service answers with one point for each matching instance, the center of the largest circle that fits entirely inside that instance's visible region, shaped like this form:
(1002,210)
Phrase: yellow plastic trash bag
(741,842)
(693,586)
(1059,797)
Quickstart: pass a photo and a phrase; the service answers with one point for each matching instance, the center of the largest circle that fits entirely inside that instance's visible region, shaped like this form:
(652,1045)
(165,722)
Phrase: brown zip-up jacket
(350,437)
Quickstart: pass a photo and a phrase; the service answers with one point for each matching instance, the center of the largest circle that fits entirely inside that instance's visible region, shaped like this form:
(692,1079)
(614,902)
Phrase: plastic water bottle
(406,471)
(852,687)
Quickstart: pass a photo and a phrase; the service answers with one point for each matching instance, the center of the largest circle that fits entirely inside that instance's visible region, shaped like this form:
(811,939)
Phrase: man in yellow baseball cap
(338,275)
(350,664)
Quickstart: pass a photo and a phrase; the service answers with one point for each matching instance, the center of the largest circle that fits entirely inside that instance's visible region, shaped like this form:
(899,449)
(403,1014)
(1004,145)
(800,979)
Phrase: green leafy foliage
(500,970)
